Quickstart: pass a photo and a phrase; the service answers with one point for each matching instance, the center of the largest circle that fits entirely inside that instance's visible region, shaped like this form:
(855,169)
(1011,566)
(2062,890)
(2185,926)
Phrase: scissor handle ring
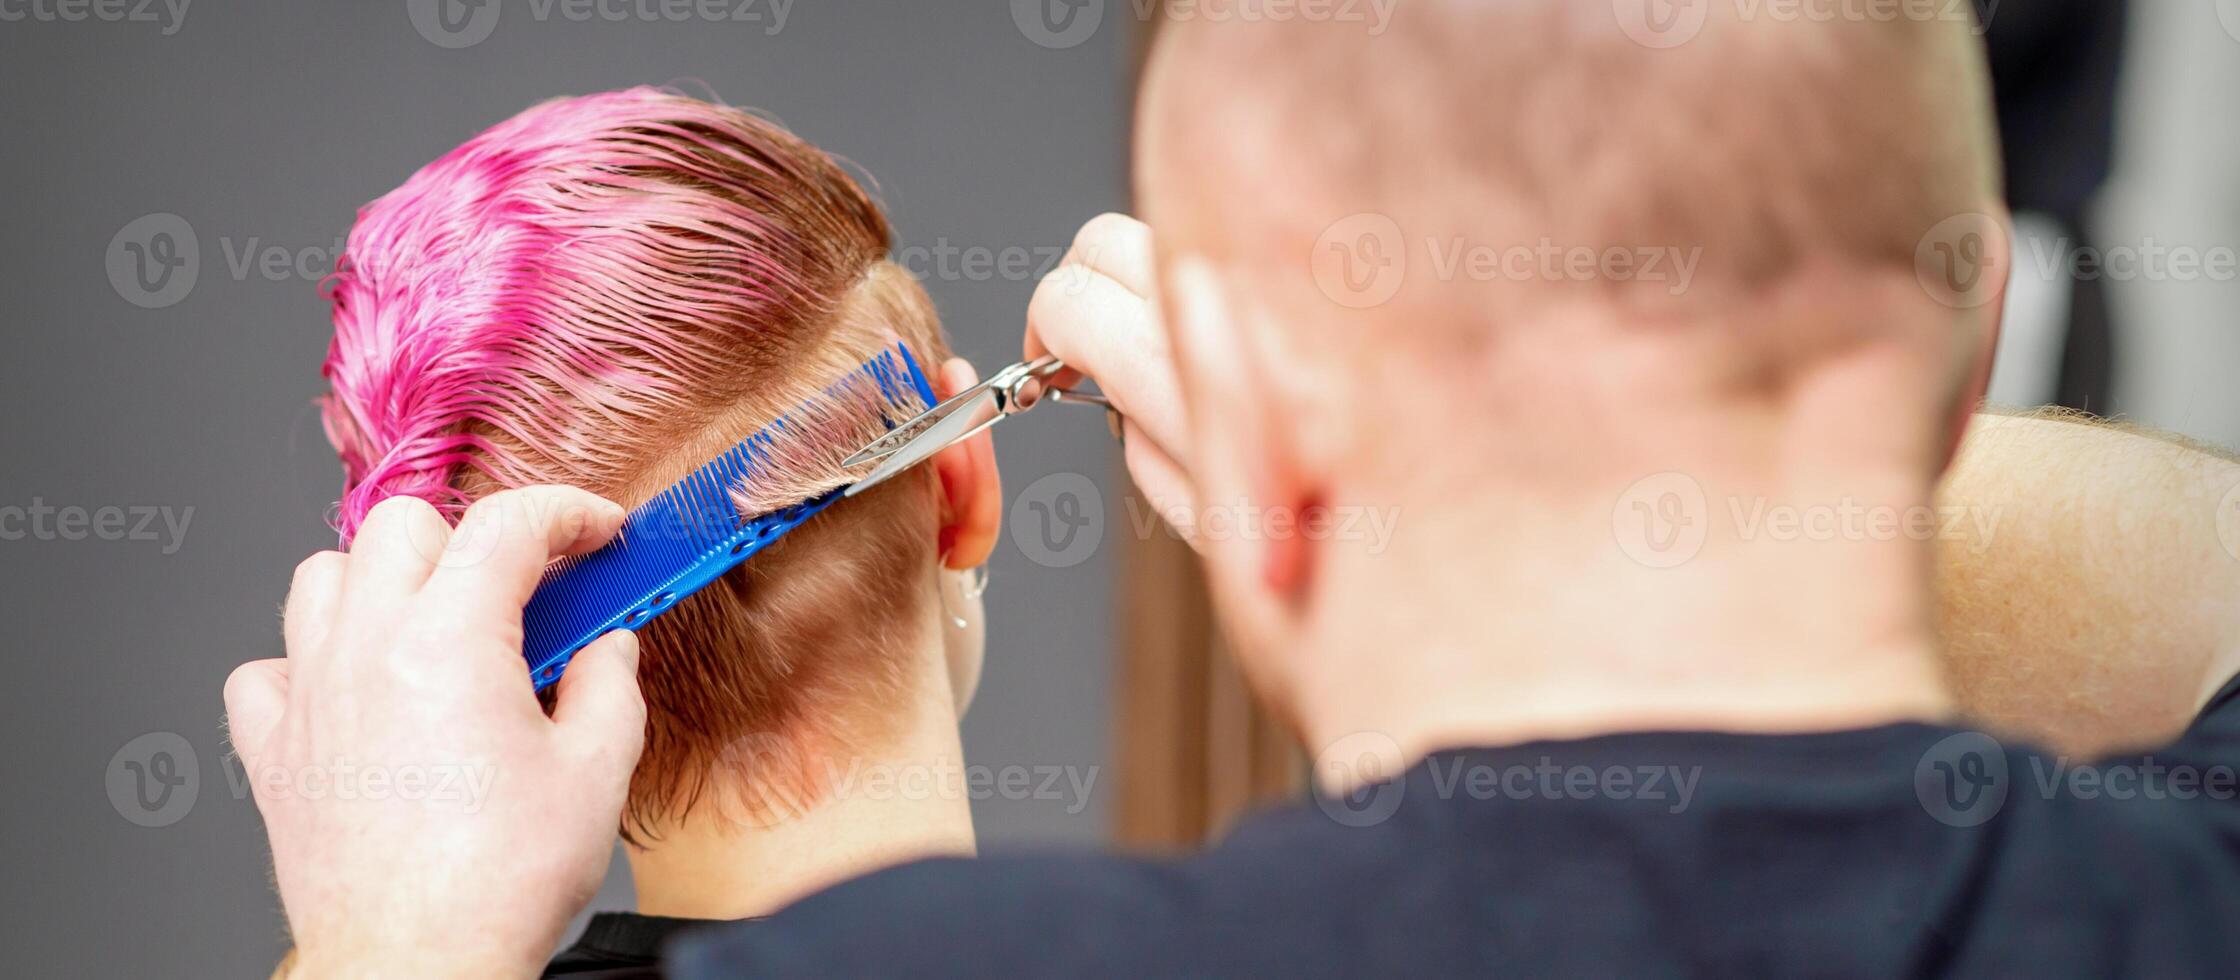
(1013,394)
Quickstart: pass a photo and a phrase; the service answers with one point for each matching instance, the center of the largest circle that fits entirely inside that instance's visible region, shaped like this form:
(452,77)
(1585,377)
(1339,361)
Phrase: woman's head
(607,291)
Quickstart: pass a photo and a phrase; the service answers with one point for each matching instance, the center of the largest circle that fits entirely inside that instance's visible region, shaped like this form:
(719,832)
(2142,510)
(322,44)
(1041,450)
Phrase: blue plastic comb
(690,534)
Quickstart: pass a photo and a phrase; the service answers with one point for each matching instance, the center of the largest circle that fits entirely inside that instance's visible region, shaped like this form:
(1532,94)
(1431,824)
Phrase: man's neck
(1795,610)
(873,810)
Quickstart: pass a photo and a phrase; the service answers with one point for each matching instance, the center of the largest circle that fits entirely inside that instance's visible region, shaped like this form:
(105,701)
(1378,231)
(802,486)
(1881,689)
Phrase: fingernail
(610,520)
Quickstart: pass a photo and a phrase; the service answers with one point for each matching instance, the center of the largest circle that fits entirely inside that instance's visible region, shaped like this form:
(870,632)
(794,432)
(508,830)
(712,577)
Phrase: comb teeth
(799,457)
(719,515)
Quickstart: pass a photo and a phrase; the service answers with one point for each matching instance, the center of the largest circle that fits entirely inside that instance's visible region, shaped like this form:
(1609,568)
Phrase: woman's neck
(875,809)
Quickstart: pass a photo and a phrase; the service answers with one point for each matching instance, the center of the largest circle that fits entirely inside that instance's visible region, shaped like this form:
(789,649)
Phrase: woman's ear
(971,490)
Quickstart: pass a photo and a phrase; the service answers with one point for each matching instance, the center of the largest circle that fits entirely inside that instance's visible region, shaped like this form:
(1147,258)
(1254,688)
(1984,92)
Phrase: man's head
(1489,268)
(608,291)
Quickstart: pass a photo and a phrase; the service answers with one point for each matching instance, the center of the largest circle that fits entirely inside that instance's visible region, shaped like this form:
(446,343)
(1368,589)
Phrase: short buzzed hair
(1763,142)
(608,291)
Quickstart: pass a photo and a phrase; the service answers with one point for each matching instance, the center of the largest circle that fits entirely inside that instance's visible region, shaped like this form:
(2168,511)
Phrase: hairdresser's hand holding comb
(426,818)
(1099,312)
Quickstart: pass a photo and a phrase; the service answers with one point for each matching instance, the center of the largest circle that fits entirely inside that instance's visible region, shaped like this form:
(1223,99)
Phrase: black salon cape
(624,946)
(1906,850)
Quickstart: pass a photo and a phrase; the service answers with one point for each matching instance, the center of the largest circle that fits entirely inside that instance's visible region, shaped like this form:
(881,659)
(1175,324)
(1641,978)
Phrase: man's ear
(971,490)
(1242,443)
(1998,262)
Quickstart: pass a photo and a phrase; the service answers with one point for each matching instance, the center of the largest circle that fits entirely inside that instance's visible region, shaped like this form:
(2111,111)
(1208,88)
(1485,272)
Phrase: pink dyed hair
(606,291)
(552,284)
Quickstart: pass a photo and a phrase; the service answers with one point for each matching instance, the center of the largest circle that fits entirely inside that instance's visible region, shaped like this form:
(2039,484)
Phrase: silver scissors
(1006,393)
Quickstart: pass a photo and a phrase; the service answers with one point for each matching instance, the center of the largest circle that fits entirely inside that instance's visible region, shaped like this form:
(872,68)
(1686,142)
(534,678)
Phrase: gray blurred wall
(2177,187)
(262,126)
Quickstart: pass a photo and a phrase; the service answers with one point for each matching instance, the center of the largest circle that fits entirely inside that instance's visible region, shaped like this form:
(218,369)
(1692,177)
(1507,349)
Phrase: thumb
(599,707)
(256,695)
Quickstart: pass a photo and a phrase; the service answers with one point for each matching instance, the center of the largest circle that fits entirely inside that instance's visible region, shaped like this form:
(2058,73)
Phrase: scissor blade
(917,425)
(978,409)
(885,445)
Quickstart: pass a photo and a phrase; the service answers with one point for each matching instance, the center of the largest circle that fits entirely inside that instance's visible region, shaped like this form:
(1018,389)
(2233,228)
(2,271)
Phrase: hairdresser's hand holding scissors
(426,817)
(1099,313)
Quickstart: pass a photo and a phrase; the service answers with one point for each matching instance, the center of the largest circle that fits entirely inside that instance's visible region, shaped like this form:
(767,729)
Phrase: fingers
(1120,247)
(397,546)
(504,541)
(312,598)
(1161,481)
(1111,246)
(600,708)
(256,696)
(1099,327)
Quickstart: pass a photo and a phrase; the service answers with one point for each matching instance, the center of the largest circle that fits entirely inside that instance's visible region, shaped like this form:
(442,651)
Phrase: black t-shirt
(621,946)
(1904,850)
